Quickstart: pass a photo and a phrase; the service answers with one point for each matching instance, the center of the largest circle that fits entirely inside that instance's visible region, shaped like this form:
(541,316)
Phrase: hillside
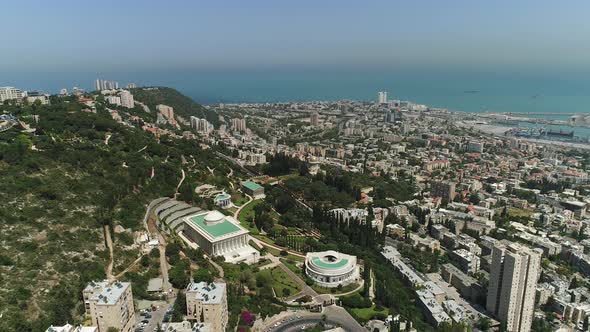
(183,105)
(61,184)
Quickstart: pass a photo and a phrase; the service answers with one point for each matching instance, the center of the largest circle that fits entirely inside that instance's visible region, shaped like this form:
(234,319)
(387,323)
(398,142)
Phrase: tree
(474,198)
(179,308)
(286,291)
(484,323)
(186,193)
(178,275)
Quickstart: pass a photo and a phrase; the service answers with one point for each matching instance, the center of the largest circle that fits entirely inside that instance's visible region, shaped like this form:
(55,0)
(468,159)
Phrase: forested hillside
(66,180)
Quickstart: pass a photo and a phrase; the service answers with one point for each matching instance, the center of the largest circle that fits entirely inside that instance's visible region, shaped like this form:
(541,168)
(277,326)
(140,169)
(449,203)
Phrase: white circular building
(331,268)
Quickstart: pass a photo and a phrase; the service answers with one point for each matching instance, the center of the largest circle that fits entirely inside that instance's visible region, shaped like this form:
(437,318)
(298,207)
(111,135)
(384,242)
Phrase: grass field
(238,199)
(281,281)
(368,313)
(292,265)
(247,213)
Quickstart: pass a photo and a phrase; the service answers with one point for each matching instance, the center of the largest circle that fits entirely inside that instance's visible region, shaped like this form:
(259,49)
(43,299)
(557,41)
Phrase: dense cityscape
(384,215)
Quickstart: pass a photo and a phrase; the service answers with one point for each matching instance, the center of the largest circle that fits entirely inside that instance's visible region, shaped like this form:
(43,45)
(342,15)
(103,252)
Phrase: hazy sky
(106,35)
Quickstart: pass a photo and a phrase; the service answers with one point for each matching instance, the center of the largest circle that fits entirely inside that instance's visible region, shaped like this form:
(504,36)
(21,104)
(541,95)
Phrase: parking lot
(148,320)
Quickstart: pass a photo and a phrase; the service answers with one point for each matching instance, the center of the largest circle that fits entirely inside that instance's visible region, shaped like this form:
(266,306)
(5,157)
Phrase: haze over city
(282,166)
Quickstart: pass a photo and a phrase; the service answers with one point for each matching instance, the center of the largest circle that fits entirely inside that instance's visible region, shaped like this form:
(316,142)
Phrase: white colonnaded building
(331,268)
(220,235)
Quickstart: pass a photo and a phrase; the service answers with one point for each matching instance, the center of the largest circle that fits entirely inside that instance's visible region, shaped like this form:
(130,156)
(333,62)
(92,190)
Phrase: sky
(59,37)
(65,33)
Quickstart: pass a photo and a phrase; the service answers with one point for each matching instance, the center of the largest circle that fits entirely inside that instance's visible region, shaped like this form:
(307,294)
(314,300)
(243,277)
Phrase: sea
(556,93)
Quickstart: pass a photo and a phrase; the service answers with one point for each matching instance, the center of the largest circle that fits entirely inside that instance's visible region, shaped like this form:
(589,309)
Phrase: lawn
(292,265)
(238,199)
(368,313)
(281,281)
(246,214)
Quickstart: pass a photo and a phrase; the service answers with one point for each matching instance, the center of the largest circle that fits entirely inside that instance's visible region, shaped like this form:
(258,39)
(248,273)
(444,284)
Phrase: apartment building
(207,303)
(10,93)
(110,304)
(514,273)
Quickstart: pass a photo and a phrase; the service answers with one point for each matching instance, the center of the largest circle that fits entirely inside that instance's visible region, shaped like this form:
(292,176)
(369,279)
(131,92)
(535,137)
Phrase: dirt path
(181,181)
(109,240)
(129,267)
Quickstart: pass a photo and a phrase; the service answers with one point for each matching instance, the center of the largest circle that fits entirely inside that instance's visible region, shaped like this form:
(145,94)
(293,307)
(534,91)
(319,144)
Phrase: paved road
(180,183)
(335,316)
(163,263)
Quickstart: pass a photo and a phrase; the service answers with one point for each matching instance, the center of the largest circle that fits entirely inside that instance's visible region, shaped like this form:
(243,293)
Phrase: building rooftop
(208,293)
(222,196)
(251,185)
(215,224)
(328,264)
(329,260)
(105,292)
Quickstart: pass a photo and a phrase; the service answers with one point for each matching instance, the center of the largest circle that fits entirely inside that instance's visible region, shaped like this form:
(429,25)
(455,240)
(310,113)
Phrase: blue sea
(466,90)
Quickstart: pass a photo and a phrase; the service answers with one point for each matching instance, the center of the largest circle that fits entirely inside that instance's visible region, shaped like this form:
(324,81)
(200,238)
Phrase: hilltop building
(331,268)
(222,200)
(126,99)
(220,235)
(253,189)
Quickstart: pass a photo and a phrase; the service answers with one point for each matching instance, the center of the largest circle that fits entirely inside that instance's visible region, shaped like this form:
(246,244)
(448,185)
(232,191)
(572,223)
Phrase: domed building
(220,235)
(331,268)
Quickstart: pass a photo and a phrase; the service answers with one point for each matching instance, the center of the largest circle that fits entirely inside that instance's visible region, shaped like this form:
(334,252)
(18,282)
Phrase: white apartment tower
(126,99)
(238,124)
(382,96)
(9,93)
(514,273)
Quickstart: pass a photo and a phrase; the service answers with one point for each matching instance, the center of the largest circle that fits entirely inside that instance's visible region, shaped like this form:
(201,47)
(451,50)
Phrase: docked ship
(560,133)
